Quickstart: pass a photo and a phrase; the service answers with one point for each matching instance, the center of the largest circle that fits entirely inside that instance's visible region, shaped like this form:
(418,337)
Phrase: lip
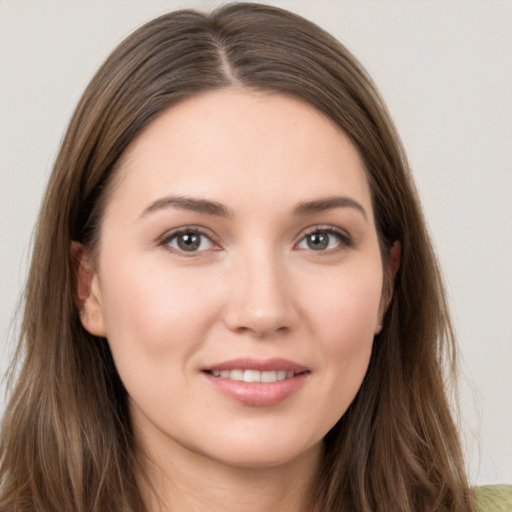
(262,365)
(257,394)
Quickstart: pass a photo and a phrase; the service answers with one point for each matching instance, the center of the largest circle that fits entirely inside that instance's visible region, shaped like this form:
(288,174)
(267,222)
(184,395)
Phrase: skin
(255,288)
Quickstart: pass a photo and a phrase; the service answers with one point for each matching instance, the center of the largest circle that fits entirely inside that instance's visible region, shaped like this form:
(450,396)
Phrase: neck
(188,481)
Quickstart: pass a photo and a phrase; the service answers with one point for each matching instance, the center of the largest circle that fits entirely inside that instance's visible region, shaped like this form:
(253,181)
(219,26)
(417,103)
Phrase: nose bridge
(261,301)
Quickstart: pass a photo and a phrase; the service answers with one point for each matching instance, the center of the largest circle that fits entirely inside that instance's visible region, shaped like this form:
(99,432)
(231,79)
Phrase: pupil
(318,241)
(189,242)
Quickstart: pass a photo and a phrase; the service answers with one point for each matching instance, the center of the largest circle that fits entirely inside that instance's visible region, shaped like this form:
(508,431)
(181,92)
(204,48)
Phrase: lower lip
(258,394)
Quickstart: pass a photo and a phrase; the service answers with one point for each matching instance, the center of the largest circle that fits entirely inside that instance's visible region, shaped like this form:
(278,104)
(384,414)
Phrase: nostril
(260,303)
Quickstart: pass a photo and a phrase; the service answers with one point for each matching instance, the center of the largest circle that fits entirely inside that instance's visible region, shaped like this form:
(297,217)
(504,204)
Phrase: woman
(232,289)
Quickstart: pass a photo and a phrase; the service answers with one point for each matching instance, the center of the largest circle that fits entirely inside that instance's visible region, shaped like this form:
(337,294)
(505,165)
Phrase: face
(238,279)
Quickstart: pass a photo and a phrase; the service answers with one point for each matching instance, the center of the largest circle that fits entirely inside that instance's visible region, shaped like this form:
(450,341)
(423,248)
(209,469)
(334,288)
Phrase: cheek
(344,306)
(156,320)
(151,312)
(344,317)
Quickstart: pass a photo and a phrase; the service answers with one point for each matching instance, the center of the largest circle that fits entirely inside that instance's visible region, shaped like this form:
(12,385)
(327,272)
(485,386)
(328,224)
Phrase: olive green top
(494,498)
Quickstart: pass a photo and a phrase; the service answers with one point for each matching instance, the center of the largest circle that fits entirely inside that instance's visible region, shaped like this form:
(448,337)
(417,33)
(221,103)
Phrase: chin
(266,454)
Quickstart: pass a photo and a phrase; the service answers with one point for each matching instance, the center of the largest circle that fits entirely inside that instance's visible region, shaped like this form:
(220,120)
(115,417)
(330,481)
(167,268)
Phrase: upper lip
(262,365)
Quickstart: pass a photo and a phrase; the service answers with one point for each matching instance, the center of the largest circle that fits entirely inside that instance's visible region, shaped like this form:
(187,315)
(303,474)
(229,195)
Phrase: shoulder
(494,498)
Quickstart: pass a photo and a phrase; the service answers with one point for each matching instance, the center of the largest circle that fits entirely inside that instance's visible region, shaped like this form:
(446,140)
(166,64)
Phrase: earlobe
(393,264)
(86,291)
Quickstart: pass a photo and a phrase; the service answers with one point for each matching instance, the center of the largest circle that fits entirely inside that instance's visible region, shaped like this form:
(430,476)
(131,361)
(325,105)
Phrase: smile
(253,375)
(255,382)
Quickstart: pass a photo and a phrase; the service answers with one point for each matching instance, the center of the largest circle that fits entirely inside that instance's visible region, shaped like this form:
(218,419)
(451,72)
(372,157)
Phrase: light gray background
(445,69)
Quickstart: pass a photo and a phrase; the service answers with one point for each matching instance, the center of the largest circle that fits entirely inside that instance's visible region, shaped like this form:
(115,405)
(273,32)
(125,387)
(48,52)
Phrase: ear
(393,264)
(86,291)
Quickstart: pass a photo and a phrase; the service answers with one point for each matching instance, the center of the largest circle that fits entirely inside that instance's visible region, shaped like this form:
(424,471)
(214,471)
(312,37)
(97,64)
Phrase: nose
(261,300)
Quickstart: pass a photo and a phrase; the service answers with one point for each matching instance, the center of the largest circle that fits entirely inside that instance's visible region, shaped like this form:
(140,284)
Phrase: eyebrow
(328,203)
(188,203)
(214,208)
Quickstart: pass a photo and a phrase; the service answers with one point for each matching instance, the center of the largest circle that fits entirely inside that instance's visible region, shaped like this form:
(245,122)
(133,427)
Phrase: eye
(325,239)
(188,240)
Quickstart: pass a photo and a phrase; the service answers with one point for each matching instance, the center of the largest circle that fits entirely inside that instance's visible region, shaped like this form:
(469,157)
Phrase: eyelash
(345,241)
(168,238)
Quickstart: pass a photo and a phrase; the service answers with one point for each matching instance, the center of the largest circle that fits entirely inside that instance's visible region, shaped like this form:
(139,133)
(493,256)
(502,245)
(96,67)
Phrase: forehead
(242,146)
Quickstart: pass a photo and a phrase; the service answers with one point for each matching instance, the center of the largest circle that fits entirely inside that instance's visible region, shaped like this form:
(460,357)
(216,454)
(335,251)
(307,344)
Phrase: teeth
(254,375)
(281,374)
(268,376)
(236,375)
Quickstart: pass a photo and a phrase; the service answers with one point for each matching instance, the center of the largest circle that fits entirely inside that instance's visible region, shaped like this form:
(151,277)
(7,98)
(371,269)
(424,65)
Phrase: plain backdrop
(445,70)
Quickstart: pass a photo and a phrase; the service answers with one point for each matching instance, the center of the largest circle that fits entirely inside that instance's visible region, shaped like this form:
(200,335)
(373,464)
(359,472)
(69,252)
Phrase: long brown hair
(67,443)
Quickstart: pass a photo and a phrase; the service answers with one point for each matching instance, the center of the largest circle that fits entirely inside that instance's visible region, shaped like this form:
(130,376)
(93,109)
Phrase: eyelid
(347,240)
(164,239)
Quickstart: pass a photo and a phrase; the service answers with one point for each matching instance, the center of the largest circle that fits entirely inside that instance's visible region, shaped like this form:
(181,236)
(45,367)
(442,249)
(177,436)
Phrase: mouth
(255,382)
(250,375)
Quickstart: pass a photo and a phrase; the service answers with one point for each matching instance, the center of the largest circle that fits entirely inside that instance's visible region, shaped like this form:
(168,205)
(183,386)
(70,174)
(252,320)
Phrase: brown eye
(324,240)
(318,241)
(189,241)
